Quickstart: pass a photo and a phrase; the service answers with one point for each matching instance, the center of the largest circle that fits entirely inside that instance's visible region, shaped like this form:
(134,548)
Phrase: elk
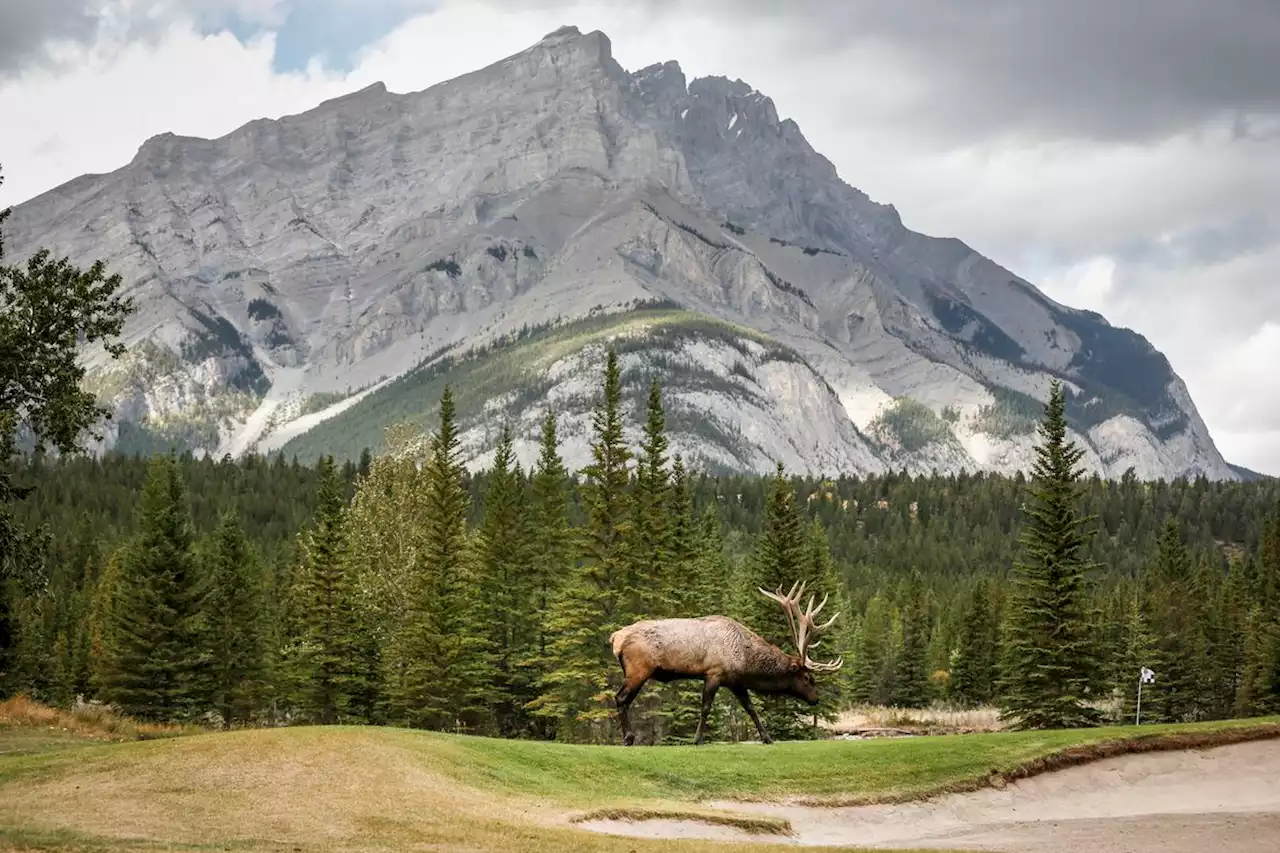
(723,653)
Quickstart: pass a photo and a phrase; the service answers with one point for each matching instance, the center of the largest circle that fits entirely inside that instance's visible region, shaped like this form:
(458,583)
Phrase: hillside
(295,262)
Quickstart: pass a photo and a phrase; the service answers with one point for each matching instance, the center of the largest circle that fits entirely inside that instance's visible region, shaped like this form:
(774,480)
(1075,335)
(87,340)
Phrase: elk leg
(744,699)
(626,695)
(709,688)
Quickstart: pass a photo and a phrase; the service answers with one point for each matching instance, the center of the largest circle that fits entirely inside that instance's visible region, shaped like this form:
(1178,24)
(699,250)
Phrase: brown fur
(716,649)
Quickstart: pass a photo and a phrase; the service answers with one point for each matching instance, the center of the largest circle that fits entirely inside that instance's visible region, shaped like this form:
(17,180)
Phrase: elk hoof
(628,739)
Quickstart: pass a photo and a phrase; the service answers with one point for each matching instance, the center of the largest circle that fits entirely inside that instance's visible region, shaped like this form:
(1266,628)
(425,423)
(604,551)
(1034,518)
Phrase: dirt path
(1227,799)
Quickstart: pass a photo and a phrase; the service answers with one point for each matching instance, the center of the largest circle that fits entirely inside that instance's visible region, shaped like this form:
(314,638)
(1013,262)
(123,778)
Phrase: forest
(405,591)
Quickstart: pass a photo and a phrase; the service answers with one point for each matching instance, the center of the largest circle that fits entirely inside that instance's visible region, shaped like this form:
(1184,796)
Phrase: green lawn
(322,788)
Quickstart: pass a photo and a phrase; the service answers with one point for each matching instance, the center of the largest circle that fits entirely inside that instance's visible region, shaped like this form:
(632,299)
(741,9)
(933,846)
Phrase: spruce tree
(910,687)
(871,654)
(551,559)
(653,586)
(577,691)
(233,622)
(1173,622)
(973,670)
(505,588)
(154,635)
(1139,651)
(324,654)
(441,655)
(780,559)
(1048,658)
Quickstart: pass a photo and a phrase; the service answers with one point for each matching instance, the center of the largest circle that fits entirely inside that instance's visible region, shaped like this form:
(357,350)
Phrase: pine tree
(505,587)
(1171,698)
(233,617)
(551,561)
(577,691)
(157,662)
(650,578)
(440,654)
(973,670)
(1049,665)
(911,663)
(682,579)
(871,654)
(324,655)
(1139,650)
(837,641)
(780,559)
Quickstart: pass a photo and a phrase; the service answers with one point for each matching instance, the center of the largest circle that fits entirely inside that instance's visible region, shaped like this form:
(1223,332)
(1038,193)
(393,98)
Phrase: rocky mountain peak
(297,266)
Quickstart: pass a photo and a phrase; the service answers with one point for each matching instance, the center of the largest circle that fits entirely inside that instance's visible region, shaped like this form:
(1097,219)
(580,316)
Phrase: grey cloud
(27,27)
(1101,69)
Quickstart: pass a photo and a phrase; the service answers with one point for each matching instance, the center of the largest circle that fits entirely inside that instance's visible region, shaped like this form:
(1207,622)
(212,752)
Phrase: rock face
(293,263)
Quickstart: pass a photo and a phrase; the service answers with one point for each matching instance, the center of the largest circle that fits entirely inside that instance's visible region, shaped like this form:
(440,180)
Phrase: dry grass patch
(87,721)
(879,719)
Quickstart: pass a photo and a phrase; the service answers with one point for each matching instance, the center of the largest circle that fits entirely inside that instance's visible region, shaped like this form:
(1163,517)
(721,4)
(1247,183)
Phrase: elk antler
(803,629)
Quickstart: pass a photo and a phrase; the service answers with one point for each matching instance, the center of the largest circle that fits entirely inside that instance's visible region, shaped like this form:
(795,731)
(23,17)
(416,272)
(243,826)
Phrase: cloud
(27,27)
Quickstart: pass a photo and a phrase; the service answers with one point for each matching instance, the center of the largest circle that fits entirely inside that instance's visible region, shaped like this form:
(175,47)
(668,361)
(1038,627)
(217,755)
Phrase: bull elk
(723,653)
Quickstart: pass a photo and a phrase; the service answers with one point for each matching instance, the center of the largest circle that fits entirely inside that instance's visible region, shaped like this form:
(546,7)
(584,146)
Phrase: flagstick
(1138,716)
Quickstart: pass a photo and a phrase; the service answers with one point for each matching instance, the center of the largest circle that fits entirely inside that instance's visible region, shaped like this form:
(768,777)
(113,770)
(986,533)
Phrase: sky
(1123,155)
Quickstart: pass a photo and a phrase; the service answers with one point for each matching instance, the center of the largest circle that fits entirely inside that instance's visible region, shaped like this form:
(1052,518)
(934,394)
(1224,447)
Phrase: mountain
(305,283)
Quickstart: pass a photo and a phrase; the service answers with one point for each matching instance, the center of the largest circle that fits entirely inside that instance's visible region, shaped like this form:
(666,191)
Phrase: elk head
(801,668)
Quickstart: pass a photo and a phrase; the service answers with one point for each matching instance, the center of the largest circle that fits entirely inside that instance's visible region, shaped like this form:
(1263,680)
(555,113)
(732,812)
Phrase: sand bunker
(1225,798)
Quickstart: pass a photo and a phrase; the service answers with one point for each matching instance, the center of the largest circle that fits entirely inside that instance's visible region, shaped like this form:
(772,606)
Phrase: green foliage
(233,623)
(328,673)
(443,666)
(781,559)
(1049,667)
(593,601)
(154,665)
(910,425)
(973,665)
(1012,414)
(507,590)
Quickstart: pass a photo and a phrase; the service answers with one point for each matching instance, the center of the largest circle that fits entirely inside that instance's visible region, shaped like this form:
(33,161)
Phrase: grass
(355,788)
(21,718)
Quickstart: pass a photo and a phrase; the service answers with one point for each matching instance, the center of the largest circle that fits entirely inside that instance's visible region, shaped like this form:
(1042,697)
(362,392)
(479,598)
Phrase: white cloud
(1072,212)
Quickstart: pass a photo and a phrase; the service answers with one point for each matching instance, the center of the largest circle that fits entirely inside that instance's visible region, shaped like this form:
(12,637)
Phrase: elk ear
(796,666)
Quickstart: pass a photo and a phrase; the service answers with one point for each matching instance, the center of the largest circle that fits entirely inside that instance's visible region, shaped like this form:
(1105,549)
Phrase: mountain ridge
(351,244)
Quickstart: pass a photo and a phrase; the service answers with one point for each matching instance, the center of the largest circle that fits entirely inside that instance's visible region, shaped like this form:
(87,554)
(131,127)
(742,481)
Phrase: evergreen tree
(973,670)
(781,558)
(1048,664)
(682,579)
(837,641)
(154,643)
(1174,619)
(441,655)
(505,587)
(233,614)
(650,577)
(551,561)
(1139,650)
(324,654)
(871,654)
(911,663)
(592,602)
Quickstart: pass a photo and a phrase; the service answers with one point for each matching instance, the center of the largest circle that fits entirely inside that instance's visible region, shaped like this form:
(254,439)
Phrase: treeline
(404,591)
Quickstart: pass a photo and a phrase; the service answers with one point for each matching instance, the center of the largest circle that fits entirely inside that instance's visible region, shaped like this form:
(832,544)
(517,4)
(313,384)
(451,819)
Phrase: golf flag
(1147,676)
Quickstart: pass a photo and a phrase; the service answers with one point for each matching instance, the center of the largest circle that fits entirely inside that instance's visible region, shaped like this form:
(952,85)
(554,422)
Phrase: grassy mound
(355,788)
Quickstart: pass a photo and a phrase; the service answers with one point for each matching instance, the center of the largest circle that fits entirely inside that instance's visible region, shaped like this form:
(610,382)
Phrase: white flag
(1147,676)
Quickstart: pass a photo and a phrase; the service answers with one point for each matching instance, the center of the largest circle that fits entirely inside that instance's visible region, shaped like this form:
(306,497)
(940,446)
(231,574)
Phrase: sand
(1226,798)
